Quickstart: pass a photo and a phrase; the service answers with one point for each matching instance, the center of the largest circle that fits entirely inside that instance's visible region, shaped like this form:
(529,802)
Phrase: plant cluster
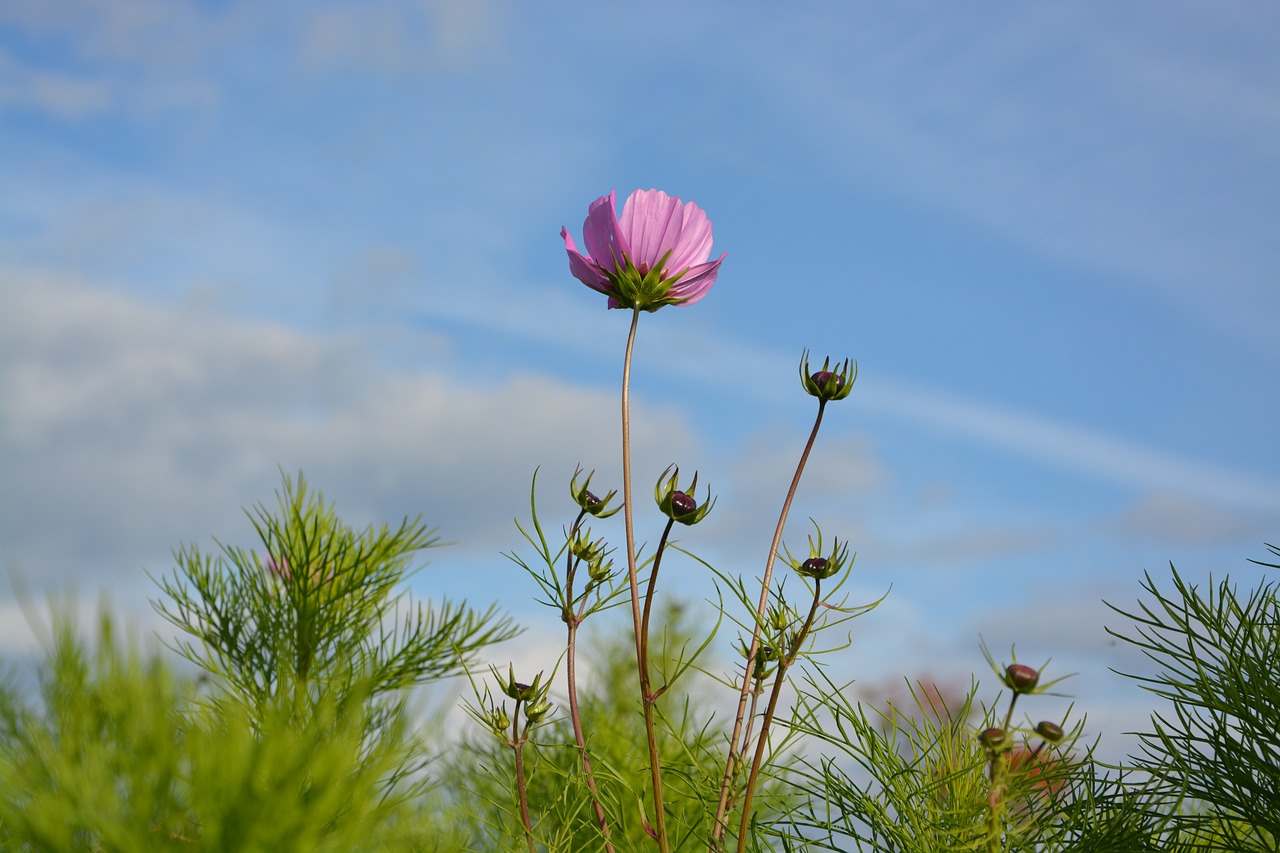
(290,727)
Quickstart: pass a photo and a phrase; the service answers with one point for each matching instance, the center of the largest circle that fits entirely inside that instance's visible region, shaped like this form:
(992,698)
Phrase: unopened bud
(823,377)
(499,721)
(682,504)
(535,711)
(587,499)
(827,384)
(679,504)
(996,740)
(1021,678)
(1050,731)
(599,570)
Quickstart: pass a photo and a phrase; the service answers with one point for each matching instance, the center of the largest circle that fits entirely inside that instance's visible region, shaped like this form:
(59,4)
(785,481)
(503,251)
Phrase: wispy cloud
(1073,447)
(1067,128)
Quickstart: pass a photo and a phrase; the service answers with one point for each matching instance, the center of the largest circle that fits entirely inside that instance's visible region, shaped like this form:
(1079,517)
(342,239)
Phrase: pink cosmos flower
(654,254)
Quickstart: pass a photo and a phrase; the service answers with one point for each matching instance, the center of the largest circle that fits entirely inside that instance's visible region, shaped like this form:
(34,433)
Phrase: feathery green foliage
(120,754)
(1216,749)
(692,757)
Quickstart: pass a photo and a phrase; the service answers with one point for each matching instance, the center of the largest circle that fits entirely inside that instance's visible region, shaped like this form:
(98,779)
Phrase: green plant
(1214,752)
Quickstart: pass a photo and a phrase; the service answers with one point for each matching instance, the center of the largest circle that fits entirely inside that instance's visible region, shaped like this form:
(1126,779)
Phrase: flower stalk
(737,740)
(762,741)
(637,620)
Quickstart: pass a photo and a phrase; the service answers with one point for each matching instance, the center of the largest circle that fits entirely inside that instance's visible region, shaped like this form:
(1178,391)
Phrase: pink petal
(584,269)
(694,284)
(694,245)
(651,221)
(601,234)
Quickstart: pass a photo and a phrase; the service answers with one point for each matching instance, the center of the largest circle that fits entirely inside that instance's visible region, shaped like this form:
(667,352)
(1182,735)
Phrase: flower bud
(599,569)
(823,378)
(781,617)
(994,739)
(818,565)
(582,548)
(518,690)
(587,499)
(827,384)
(535,711)
(1050,731)
(1021,678)
(499,721)
(680,504)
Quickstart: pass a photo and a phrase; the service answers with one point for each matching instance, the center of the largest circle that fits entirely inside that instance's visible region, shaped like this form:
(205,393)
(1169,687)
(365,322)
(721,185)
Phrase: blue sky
(237,237)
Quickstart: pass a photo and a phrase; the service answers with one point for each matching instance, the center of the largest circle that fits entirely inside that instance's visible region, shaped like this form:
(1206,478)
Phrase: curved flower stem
(655,766)
(648,602)
(573,620)
(735,748)
(762,740)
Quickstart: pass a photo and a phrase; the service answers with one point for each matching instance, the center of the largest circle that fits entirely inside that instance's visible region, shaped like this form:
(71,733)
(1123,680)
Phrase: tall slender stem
(655,766)
(731,762)
(573,620)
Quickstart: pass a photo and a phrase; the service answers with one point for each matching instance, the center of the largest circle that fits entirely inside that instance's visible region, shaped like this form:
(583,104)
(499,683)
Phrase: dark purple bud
(814,566)
(822,377)
(1021,678)
(1051,732)
(993,738)
(590,499)
(682,504)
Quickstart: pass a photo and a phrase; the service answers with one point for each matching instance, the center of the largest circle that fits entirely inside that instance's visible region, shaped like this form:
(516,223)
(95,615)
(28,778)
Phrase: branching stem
(762,740)
(736,747)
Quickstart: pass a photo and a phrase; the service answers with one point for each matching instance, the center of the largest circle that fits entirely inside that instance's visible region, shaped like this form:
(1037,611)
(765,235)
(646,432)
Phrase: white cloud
(66,96)
(133,426)
(394,37)
(1183,521)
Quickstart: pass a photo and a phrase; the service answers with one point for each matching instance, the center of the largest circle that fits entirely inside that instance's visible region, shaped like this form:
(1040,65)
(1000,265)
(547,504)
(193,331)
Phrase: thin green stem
(1008,717)
(655,766)
(762,740)
(995,802)
(721,823)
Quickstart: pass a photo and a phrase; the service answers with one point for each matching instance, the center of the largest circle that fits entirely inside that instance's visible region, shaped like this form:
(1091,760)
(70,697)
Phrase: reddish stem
(721,823)
(655,766)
